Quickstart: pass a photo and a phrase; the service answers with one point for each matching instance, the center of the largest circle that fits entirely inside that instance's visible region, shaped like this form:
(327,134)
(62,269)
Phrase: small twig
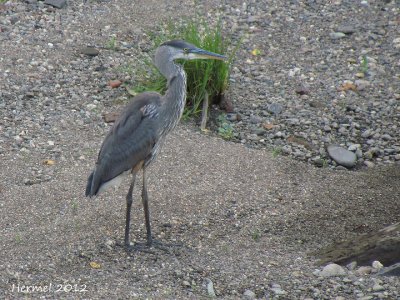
(204,113)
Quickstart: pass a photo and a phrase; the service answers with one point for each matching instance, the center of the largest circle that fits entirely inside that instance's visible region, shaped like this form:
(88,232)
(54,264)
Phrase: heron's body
(138,134)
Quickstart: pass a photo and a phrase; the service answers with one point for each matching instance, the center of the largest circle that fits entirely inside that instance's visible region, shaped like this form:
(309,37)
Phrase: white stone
(377,265)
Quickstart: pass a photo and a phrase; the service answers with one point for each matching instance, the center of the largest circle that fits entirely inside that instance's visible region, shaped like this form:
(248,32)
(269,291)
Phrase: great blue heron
(138,134)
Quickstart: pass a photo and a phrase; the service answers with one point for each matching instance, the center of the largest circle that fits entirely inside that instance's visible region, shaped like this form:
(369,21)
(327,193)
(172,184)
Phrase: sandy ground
(239,212)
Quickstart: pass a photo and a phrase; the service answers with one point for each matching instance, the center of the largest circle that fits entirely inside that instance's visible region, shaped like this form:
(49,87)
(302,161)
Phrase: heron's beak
(198,53)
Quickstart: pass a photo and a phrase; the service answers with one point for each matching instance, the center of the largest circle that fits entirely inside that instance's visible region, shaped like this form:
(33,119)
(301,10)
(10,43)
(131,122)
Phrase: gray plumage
(138,134)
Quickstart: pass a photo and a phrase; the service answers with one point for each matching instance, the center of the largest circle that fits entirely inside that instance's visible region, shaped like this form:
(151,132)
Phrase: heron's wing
(129,141)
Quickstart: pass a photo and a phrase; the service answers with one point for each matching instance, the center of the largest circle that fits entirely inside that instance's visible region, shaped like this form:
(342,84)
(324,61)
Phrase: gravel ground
(325,74)
(247,218)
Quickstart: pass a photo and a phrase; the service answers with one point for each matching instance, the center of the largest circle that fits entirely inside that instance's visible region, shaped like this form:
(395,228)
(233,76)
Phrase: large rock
(382,246)
(342,156)
(56,3)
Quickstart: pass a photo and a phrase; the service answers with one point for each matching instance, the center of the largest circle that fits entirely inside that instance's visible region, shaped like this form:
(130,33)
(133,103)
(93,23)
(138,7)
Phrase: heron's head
(179,49)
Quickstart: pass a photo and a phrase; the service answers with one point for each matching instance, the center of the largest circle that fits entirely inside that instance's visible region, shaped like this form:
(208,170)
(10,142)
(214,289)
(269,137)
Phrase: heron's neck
(175,96)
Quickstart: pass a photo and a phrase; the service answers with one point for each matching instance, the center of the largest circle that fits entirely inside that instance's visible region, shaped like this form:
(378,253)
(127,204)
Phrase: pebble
(255,119)
(378,288)
(278,291)
(337,35)
(248,294)
(363,270)
(342,156)
(232,117)
(210,288)
(110,244)
(362,84)
(90,51)
(377,265)
(353,147)
(347,29)
(369,164)
(275,108)
(332,270)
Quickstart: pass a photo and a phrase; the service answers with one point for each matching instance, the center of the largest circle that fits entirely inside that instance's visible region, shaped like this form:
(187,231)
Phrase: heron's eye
(186,50)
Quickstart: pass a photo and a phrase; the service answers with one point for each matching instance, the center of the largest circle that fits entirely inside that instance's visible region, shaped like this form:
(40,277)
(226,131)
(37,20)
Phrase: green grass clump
(203,76)
(276,151)
(256,235)
(364,64)
(225,129)
(112,43)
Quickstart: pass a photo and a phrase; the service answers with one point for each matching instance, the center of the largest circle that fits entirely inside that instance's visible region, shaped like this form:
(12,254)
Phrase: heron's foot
(153,246)
(140,247)
(166,247)
(129,247)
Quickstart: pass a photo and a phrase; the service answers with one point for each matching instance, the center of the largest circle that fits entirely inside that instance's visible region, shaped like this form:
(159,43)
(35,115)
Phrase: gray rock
(361,297)
(378,288)
(186,283)
(359,153)
(389,150)
(351,266)
(367,133)
(248,294)
(258,131)
(56,3)
(277,289)
(90,51)
(364,270)
(232,117)
(275,108)
(319,162)
(353,147)
(362,84)
(210,288)
(346,29)
(293,121)
(369,164)
(110,244)
(342,156)
(343,131)
(337,35)
(252,19)
(253,137)
(327,128)
(255,119)
(332,270)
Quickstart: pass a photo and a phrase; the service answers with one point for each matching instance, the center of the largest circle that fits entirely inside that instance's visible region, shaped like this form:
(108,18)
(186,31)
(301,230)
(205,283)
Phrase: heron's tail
(89,191)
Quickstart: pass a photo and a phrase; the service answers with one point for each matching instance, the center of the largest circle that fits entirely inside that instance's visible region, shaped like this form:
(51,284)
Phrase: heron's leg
(150,241)
(128,210)
(145,200)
